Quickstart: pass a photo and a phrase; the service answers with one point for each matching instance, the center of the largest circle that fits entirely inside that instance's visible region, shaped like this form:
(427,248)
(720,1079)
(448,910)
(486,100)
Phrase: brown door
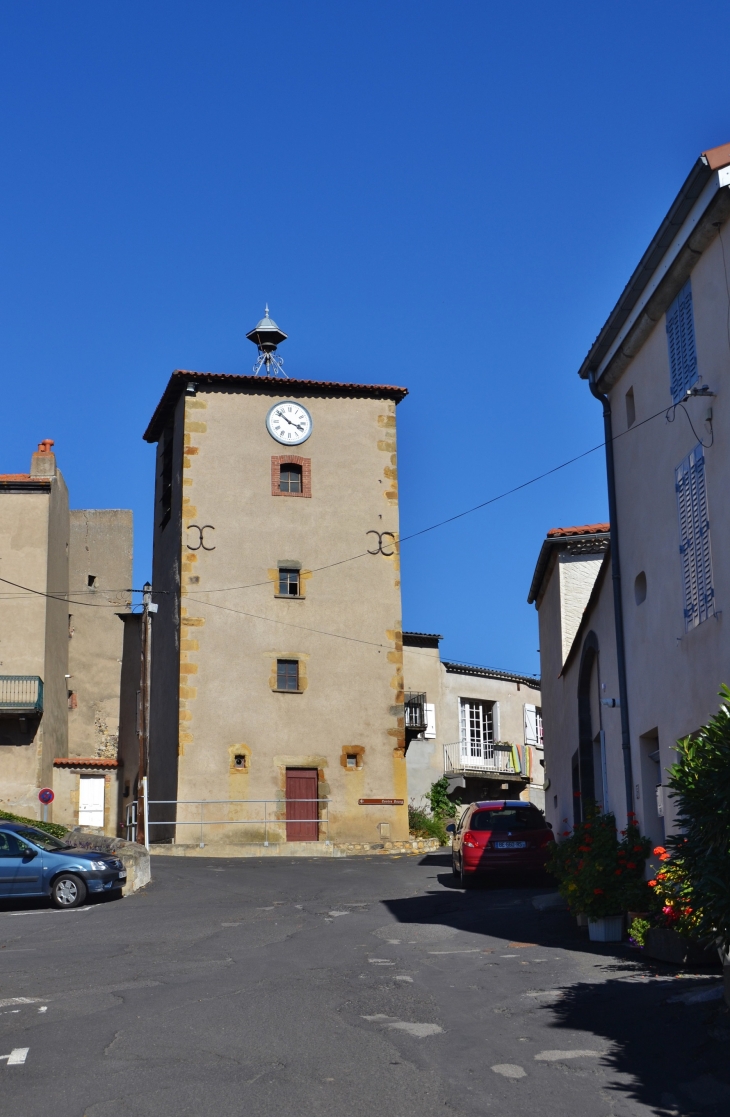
(302,816)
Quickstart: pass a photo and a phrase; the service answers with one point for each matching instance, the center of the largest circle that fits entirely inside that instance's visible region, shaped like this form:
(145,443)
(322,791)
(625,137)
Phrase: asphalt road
(369,986)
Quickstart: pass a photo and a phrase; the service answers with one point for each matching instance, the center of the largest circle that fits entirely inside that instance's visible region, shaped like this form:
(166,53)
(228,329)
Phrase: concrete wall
(101,548)
(352,689)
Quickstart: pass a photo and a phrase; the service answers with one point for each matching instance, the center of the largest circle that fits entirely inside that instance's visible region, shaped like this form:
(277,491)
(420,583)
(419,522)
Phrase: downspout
(617,599)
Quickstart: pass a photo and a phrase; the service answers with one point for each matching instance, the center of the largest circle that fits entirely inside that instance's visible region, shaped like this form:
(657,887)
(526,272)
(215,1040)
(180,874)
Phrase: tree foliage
(700,786)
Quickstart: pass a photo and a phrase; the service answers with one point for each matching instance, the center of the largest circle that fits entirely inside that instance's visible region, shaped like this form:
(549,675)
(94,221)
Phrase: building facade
(482,728)
(660,366)
(277,674)
(65,575)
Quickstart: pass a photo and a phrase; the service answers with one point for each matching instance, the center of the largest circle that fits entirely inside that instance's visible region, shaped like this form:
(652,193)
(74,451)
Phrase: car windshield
(45,841)
(508,818)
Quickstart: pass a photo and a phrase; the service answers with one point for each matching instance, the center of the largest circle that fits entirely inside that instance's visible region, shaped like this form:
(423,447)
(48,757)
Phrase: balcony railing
(458,758)
(21,694)
(414,707)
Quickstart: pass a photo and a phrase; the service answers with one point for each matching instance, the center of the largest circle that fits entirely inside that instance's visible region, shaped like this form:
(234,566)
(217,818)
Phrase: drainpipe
(617,599)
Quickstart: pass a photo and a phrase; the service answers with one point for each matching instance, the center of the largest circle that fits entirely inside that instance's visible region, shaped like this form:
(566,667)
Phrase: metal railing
(458,758)
(21,694)
(267,819)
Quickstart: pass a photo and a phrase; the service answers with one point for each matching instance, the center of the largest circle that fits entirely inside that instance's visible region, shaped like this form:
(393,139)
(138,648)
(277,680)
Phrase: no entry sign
(46,796)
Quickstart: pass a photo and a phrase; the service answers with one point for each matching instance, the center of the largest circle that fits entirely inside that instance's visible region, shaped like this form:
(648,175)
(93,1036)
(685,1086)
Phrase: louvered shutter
(430,731)
(694,539)
(530,725)
(681,342)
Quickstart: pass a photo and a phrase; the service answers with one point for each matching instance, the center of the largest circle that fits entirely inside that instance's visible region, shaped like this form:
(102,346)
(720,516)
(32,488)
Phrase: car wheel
(466,880)
(454,866)
(68,891)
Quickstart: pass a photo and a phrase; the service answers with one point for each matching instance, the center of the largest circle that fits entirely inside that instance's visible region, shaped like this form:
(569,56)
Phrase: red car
(504,834)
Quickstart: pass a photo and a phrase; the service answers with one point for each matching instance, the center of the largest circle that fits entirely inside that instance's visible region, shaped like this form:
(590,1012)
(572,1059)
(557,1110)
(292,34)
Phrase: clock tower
(277,679)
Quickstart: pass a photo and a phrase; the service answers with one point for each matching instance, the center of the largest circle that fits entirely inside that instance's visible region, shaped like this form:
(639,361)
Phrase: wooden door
(302,817)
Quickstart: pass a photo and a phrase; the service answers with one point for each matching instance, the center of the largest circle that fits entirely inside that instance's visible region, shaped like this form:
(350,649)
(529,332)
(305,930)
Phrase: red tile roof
(14,476)
(84,762)
(585,529)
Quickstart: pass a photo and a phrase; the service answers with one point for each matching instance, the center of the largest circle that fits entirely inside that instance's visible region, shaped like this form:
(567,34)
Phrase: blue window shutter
(694,539)
(681,341)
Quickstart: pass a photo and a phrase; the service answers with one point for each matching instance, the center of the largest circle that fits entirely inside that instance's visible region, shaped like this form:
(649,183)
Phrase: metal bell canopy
(267,336)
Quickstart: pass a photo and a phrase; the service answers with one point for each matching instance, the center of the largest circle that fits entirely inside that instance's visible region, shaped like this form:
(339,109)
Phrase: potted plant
(692,887)
(600,875)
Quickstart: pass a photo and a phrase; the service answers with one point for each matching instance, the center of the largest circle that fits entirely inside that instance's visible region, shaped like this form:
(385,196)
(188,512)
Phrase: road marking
(19,1001)
(474,950)
(508,955)
(403,977)
(381,962)
(17,1056)
(338,913)
(420,1031)
(509,1070)
(52,911)
(558,1056)
(520,945)
(230,924)
(43,1008)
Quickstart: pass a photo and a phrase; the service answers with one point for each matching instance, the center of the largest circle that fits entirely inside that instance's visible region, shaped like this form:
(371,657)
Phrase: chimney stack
(43,462)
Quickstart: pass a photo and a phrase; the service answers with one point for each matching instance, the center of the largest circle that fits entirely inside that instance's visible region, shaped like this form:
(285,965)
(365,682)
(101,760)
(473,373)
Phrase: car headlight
(101,865)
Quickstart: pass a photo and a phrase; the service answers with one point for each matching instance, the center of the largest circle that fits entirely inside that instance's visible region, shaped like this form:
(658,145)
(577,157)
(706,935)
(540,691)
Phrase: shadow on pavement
(673,1056)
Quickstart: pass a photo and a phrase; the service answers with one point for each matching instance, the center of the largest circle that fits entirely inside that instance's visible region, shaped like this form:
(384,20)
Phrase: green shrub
(597,874)
(441,806)
(49,827)
(422,825)
(700,853)
(638,929)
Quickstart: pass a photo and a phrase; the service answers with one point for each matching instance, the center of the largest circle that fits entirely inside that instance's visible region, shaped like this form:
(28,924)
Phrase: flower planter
(666,945)
(607,928)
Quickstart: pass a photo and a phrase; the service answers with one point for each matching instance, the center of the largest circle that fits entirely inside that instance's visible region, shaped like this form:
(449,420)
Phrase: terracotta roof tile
(84,762)
(585,529)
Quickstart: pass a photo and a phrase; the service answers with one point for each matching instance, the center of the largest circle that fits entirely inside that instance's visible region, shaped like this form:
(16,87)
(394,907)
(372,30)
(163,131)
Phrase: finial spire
(266,336)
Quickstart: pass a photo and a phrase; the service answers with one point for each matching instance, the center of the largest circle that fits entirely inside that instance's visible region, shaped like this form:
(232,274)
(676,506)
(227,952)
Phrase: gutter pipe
(617,599)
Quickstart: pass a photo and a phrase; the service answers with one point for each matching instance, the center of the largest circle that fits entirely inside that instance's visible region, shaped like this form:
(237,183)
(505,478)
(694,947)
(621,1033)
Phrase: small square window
(289,583)
(351,760)
(290,478)
(287,674)
(239,760)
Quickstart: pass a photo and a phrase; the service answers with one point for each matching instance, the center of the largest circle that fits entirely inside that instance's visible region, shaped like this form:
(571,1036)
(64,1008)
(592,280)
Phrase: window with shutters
(694,539)
(681,340)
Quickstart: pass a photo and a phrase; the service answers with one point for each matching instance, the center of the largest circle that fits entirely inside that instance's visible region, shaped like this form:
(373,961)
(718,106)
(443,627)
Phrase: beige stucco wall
(33,635)
(101,546)
(352,697)
(674,676)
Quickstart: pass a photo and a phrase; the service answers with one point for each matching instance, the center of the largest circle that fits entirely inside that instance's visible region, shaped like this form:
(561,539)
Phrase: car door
(10,859)
(29,872)
(460,828)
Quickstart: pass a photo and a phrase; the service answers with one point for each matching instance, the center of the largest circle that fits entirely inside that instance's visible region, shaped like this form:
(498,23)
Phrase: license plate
(510,845)
(123,874)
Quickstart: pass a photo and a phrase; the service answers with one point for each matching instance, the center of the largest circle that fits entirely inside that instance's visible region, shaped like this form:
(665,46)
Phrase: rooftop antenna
(267,336)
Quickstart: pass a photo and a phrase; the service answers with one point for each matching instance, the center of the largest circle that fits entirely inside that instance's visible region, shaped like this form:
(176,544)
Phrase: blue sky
(445,196)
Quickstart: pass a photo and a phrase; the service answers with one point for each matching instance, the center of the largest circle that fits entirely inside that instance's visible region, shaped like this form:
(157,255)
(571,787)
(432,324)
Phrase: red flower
(658,850)
(651,883)
(664,857)
(566,833)
(598,891)
(618,872)
(631,864)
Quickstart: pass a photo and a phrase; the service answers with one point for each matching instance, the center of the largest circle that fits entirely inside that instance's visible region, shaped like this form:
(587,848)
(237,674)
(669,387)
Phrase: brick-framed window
(281,475)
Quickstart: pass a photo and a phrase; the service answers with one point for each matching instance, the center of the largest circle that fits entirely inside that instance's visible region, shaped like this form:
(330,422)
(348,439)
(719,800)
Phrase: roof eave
(180,378)
(665,265)
(548,545)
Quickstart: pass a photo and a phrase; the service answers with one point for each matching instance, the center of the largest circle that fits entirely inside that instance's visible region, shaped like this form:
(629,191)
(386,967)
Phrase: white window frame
(477,728)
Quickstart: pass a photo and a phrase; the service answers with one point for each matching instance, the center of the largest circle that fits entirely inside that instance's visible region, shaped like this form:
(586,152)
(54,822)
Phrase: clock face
(289,423)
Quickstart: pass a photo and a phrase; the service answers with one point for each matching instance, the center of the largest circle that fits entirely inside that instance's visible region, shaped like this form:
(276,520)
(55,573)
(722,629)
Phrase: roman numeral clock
(289,423)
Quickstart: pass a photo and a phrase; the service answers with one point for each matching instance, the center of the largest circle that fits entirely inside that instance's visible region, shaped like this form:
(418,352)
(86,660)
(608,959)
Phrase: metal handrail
(457,758)
(202,803)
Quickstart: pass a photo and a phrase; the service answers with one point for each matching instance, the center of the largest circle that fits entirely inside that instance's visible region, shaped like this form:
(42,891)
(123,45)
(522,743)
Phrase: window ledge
(290,596)
(276,690)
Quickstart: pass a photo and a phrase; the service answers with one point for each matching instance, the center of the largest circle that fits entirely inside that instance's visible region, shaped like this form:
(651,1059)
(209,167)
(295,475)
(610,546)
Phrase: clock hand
(283,416)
